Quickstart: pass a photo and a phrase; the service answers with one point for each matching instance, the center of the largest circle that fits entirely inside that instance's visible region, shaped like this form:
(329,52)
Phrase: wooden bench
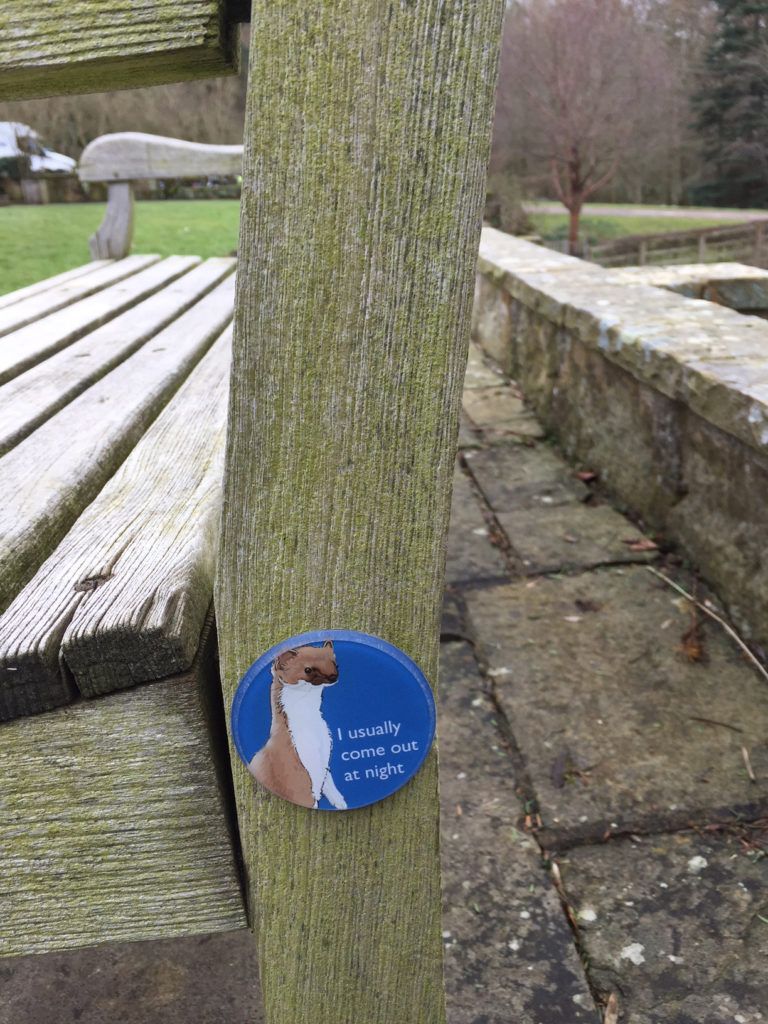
(112,424)
(113,390)
(121,159)
(367,131)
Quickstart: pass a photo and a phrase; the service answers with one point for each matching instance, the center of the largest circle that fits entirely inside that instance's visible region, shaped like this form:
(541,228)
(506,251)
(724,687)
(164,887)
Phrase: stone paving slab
(472,558)
(480,373)
(676,925)
(468,436)
(514,477)
(509,952)
(572,537)
(501,410)
(619,730)
(452,622)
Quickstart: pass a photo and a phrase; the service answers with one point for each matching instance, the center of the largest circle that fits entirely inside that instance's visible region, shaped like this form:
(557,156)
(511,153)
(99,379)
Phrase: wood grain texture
(45,302)
(112,822)
(50,282)
(128,156)
(31,344)
(34,396)
(123,598)
(112,239)
(76,46)
(57,471)
(158,523)
(366,142)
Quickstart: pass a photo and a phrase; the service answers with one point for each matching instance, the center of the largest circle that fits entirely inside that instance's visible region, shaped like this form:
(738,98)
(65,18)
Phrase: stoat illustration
(295,760)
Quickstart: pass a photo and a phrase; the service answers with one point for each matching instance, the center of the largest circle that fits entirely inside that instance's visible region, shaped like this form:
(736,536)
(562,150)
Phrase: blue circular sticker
(333,719)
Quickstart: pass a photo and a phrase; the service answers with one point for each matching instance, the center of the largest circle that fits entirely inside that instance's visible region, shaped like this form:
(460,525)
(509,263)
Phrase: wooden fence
(743,243)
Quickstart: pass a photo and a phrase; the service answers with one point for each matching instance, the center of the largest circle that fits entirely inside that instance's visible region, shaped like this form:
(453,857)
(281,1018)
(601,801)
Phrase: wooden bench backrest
(133,156)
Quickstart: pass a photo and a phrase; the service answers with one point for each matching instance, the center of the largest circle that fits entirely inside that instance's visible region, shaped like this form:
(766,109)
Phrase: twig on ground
(713,615)
(611,1009)
(714,721)
(748,764)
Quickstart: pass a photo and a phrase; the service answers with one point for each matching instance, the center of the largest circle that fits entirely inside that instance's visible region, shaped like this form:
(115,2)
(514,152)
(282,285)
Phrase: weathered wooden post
(365,151)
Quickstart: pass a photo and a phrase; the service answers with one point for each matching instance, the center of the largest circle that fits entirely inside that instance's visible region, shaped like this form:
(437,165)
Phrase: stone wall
(665,396)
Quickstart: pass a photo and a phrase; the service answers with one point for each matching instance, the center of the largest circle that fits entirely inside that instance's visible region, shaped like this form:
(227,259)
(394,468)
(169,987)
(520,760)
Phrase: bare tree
(582,82)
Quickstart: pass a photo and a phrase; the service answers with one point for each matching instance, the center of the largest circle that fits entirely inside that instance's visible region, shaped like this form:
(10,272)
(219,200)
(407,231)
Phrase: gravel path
(672,212)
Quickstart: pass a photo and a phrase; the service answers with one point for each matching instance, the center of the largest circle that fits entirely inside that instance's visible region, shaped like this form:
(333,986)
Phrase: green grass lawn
(554,226)
(39,241)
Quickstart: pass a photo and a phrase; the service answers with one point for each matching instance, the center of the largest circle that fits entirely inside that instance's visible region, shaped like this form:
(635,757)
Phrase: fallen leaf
(641,544)
(587,476)
(559,769)
(611,1009)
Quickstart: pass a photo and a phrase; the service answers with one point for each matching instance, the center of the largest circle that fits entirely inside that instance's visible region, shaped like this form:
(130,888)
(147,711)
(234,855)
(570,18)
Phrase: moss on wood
(366,143)
(77,46)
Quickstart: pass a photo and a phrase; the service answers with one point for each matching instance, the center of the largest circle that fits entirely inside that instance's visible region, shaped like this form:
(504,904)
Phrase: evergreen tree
(732,106)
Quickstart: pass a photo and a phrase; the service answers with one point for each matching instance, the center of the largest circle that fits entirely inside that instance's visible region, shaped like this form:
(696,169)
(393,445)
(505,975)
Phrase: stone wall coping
(707,356)
(737,285)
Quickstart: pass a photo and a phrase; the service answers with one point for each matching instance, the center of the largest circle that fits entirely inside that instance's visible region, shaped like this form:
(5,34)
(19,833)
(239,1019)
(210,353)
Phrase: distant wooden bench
(121,159)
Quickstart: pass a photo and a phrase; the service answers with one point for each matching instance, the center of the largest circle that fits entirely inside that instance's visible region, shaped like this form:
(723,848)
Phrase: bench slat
(145,622)
(34,396)
(147,544)
(32,309)
(50,477)
(50,282)
(112,825)
(35,342)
